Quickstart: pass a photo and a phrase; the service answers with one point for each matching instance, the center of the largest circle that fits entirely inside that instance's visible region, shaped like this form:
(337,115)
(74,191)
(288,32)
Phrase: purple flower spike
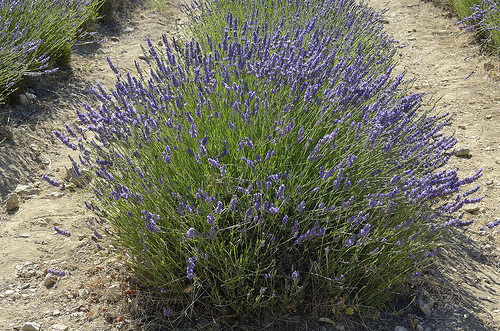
(63,232)
(301,206)
(219,208)
(190,267)
(51,181)
(190,233)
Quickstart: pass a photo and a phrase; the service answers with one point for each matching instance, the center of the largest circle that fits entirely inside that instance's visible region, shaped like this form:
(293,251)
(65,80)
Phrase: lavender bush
(483,19)
(480,17)
(36,33)
(282,165)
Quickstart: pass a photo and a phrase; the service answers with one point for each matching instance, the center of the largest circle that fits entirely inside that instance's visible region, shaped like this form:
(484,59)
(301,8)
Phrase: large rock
(462,151)
(425,303)
(27,190)
(30,326)
(12,202)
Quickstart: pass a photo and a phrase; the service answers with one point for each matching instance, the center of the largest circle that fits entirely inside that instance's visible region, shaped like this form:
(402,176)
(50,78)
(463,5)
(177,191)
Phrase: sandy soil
(100,293)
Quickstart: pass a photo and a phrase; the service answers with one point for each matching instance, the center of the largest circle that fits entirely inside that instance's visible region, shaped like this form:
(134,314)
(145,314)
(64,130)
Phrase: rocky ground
(98,292)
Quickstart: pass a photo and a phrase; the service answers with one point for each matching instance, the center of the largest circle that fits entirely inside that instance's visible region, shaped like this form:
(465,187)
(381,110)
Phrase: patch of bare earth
(463,289)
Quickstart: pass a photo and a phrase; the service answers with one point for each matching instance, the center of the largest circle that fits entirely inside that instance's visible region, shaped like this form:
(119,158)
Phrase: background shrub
(35,35)
(481,17)
(271,166)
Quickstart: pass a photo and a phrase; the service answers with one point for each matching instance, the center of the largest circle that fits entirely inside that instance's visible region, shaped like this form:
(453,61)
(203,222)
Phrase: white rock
(30,96)
(59,327)
(41,222)
(56,312)
(28,189)
(400,328)
(12,202)
(83,293)
(24,235)
(30,326)
(9,292)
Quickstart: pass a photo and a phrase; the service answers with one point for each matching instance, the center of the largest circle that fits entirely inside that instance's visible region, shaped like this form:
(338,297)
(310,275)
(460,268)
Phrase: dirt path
(95,296)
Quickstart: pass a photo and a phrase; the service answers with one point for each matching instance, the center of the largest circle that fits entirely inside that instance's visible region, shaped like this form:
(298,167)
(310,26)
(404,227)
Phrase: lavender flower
(58,273)
(63,232)
(51,181)
(190,233)
(190,267)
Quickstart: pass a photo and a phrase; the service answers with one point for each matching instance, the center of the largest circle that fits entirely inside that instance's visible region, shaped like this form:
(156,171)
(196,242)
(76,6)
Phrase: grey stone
(30,326)
(6,133)
(425,303)
(400,328)
(12,202)
(49,280)
(461,151)
(113,293)
(476,253)
(23,99)
(78,181)
(471,208)
(489,181)
(489,66)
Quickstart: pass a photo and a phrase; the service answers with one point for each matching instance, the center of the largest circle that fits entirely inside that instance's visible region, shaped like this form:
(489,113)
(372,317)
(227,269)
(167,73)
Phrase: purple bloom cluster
(59,273)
